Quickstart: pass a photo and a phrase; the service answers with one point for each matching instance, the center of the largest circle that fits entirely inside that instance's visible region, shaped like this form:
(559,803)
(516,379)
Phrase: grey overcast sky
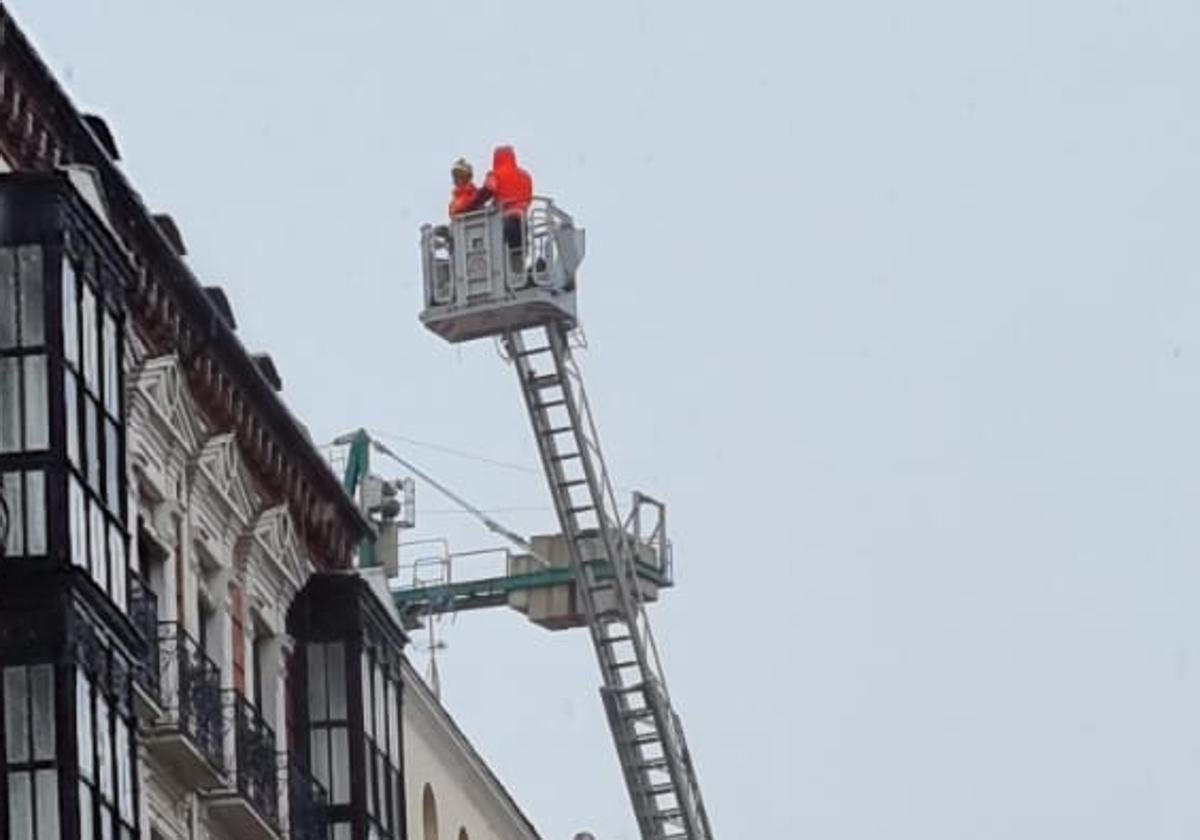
(895,303)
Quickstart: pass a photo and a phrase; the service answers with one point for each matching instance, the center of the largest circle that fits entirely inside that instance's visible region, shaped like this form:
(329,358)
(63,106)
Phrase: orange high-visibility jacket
(462,198)
(510,184)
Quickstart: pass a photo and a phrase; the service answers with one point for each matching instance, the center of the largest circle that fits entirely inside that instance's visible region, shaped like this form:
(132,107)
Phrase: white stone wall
(200,504)
(448,788)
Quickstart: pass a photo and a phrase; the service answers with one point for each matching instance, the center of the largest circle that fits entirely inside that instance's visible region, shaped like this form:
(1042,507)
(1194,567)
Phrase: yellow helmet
(461,167)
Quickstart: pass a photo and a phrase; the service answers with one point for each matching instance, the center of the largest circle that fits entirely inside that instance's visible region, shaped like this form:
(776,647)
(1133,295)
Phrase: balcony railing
(255,770)
(308,818)
(143,613)
(191,692)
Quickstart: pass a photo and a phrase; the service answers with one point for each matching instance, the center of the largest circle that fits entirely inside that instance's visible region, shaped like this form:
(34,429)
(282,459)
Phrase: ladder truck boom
(479,285)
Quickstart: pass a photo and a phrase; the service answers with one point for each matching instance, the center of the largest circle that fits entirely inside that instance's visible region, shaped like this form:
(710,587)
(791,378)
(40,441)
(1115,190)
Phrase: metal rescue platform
(477,287)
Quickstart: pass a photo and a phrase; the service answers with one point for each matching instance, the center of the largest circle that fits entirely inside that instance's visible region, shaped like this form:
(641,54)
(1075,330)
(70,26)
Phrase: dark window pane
(90,338)
(367,695)
(116,561)
(10,485)
(104,750)
(397,794)
(10,405)
(370,781)
(91,418)
(20,808)
(380,724)
(8,299)
(33,296)
(70,314)
(319,753)
(71,399)
(335,656)
(79,555)
(37,415)
(97,545)
(42,685)
(86,816)
(112,473)
(83,726)
(35,512)
(339,764)
(393,731)
(16,714)
(318,706)
(124,773)
(381,785)
(46,784)
(112,366)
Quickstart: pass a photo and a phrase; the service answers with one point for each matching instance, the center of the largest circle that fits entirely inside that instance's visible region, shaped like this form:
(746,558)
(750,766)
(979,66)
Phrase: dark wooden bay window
(68,647)
(347,692)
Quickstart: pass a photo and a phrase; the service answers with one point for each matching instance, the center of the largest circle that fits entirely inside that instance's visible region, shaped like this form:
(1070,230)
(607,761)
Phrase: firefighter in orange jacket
(464,195)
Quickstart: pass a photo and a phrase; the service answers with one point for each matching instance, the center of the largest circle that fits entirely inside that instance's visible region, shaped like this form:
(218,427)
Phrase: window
(429,819)
(25,496)
(381,734)
(70,313)
(94,430)
(206,615)
(30,770)
(328,719)
(22,297)
(24,395)
(107,792)
(259,674)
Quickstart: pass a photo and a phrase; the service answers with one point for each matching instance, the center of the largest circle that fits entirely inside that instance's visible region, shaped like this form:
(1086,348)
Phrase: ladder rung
(581,509)
(616,640)
(627,663)
(654,764)
(571,482)
(556,430)
(549,404)
(629,689)
(644,739)
(566,456)
(535,351)
(659,790)
(548,380)
(672,814)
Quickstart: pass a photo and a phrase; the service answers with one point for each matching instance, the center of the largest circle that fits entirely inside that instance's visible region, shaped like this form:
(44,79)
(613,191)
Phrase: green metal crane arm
(494,591)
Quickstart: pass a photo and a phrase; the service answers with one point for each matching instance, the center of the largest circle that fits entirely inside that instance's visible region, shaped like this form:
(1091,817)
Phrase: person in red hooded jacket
(512,189)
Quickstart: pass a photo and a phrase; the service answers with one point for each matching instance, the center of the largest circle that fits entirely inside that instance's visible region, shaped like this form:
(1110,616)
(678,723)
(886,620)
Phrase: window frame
(36,771)
(93,438)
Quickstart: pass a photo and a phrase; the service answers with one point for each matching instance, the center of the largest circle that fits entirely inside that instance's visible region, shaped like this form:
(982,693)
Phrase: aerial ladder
(478,286)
